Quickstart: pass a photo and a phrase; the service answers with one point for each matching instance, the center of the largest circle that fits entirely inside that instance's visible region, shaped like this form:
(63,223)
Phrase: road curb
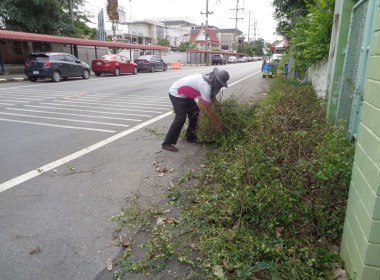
(10,80)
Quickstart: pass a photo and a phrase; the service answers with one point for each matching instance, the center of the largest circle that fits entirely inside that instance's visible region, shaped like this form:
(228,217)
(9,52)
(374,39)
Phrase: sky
(224,13)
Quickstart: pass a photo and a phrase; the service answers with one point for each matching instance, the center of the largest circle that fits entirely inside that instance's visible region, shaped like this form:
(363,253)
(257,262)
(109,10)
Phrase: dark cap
(222,76)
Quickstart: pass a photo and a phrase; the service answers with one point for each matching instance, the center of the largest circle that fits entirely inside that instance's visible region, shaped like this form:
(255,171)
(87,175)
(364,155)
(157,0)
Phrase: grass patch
(271,201)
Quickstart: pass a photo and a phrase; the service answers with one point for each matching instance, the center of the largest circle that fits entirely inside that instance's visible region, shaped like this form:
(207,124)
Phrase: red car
(113,63)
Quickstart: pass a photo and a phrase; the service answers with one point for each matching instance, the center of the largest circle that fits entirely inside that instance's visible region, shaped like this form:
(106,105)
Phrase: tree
(246,48)
(286,13)
(36,16)
(312,34)
(258,46)
(163,42)
(53,17)
(186,45)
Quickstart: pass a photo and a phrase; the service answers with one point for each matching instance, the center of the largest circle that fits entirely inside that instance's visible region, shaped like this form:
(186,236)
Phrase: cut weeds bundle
(271,202)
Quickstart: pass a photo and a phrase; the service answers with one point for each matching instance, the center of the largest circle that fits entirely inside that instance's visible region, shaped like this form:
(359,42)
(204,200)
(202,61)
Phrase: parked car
(241,59)
(150,63)
(114,64)
(56,66)
(232,59)
(218,59)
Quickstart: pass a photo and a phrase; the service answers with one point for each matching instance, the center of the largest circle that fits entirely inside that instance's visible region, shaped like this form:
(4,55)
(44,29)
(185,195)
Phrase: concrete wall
(361,238)
(85,53)
(318,77)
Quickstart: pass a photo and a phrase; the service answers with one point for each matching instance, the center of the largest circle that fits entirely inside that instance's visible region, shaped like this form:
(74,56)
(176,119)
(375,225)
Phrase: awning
(217,52)
(24,36)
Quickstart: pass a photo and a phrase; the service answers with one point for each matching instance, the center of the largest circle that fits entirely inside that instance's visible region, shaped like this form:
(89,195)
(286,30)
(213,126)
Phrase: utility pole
(206,31)
(70,4)
(236,20)
(254,27)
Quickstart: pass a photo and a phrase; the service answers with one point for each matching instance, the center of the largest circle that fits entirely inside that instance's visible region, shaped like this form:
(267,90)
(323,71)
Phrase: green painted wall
(338,63)
(361,237)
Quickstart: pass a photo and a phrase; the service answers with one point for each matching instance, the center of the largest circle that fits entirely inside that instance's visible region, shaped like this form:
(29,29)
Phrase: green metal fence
(350,90)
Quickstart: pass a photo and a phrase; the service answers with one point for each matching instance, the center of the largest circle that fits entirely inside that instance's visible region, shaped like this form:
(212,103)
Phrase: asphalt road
(72,153)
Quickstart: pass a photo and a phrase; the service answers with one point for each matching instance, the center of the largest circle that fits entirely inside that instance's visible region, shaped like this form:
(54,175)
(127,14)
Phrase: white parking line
(31,88)
(11,96)
(33,95)
(69,114)
(62,126)
(38,171)
(34,92)
(149,96)
(94,107)
(117,104)
(88,111)
(121,99)
(14,101)
(62,119)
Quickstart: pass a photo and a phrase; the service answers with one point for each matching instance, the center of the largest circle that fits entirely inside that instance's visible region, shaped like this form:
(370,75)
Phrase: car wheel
(33,79)
(165,67)
(86,74)
(97,74)
(117,71)
(152,69)
(56,77)
(134,71)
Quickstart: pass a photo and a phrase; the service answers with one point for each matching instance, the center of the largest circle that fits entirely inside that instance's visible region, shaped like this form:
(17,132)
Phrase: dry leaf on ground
(35,251)
(109,264)
(278,231)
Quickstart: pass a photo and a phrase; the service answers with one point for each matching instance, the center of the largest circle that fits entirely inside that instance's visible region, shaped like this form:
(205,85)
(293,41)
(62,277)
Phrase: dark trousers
(182,107)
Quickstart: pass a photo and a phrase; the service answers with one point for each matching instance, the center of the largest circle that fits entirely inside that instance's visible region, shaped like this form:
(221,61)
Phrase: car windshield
(39,57)
(106,56)
(145,57)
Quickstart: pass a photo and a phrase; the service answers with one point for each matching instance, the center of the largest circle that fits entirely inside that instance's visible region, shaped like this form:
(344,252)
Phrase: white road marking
(78,110)
(9,104)
(149,96)
(130,100)
(244,79)
(34,173)
(69,114)
(10,96)
(34,92)
(62,119)
(95,107)
(41,90)
(33,95)
(14,101)
(118,104)
(54,125)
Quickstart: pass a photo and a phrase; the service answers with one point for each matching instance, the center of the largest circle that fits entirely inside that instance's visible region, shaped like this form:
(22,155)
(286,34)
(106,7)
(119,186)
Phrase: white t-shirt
(192,86)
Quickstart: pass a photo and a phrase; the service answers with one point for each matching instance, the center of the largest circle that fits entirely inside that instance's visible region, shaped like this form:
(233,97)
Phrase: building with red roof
(198,36)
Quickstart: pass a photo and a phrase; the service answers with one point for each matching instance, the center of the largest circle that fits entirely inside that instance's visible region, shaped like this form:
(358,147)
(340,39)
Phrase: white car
(232,59)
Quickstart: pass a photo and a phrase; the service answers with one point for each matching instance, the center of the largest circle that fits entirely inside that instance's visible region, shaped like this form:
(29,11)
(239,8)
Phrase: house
(226,37)
(353,97)
(144,32)
(177,30)
(198,36)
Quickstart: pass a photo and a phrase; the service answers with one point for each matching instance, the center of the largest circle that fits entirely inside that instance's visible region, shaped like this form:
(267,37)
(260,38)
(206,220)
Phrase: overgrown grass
(271,202)
(279,191)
